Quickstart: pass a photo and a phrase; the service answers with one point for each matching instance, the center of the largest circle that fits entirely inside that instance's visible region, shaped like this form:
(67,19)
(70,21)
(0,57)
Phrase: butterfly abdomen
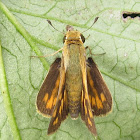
(74,96)
(74,104)
(73,88)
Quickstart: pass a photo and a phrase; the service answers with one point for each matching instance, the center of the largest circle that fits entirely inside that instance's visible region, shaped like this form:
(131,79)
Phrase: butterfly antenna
(53,26)
(92,24)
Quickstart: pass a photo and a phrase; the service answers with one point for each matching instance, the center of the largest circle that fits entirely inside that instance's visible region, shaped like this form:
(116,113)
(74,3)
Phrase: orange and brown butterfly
(73,86)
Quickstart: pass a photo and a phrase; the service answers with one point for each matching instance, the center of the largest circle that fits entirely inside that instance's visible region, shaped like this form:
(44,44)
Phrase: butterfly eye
(64,38)
(83,38)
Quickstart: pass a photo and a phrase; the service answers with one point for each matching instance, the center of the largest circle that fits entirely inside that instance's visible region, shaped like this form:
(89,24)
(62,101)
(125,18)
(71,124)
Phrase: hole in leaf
(131,15)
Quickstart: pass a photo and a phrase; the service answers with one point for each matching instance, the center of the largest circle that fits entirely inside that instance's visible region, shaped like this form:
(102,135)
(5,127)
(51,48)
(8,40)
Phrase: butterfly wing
(61,109)
(86,111)
(47,96)
(60,112)
(99,94)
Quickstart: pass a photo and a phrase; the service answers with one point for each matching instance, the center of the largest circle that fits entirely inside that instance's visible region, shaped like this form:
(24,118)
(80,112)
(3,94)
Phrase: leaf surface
(24,32)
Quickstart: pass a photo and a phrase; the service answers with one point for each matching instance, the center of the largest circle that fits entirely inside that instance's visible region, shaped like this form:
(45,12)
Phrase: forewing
(47,96)
(99,94)
(61,109)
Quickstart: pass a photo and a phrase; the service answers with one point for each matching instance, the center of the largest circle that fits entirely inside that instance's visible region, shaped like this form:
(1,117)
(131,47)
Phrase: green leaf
(24,32)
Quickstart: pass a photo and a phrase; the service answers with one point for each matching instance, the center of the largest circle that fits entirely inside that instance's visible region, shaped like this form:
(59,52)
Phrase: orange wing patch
(56,121)
(103,97)
(85,107)
(93,101)
(50,102)
(54,101)
(89,122)
(45,99)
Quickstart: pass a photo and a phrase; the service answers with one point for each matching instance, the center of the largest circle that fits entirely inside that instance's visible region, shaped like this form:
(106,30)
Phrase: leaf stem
(7,100)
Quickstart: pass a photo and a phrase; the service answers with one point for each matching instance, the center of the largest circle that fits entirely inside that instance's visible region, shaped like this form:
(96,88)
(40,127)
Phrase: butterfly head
(73,36)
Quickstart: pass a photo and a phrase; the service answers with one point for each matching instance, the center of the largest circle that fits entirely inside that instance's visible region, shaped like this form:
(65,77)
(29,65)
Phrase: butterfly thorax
(73,84)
